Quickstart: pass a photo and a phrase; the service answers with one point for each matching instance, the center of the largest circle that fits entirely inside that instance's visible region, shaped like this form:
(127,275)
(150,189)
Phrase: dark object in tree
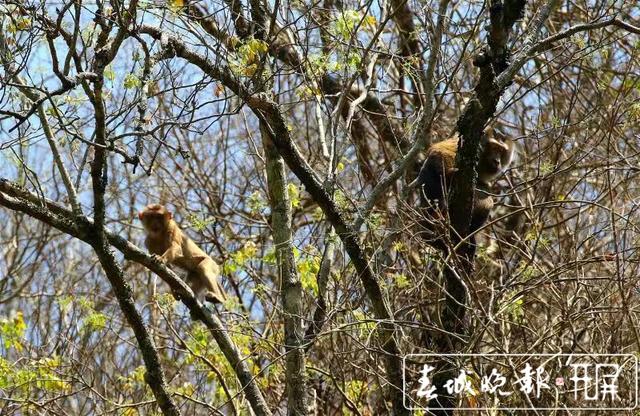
(438,169)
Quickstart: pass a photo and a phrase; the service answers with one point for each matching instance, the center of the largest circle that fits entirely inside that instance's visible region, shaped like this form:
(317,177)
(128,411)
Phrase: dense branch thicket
(286,138)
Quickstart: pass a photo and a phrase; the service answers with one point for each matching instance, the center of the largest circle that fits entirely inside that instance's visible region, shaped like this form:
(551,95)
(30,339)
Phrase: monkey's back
(192,255)
(445,151)
(437,168)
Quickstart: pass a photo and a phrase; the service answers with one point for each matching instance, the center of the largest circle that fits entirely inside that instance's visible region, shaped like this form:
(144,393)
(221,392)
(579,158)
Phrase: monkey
(166,239)
(439,166)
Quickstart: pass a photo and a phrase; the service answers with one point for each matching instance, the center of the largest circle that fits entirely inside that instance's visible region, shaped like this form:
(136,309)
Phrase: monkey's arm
(482,208)
(156,249)
(148,243)
(175,249)
(174,252)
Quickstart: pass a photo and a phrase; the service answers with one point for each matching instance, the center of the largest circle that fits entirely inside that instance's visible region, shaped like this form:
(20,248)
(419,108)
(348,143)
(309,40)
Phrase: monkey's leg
(193,280)
(480,215)
(208,280)
(433,195)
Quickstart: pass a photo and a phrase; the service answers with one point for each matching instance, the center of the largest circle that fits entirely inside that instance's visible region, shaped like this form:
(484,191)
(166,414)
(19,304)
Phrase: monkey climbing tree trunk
(289,282)
(495,76)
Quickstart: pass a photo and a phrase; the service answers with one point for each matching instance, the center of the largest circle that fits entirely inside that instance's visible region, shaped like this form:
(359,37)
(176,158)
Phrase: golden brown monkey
(439,167)
(164,238)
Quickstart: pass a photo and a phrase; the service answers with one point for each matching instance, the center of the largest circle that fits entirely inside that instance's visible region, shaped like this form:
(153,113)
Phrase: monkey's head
(155,219)
(497,150)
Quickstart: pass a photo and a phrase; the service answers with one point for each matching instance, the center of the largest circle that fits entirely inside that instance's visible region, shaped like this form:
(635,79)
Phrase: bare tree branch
(550,41)
(154,375)
(420,132)
(57,216)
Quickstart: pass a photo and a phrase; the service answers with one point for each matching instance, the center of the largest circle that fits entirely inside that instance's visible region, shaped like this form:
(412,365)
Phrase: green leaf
(166,301)
(516,309)
(318,214)
(634,112)
(345,23)
(199,224)
(308,268)
(256,202)
(85,304)
(354,389)
(187,389)
(248,57)
(546,168)
(353,60)
(95,321)
(294,195)
(12,331)
(317,64)
(65,302)
(131,81)
(401,281)
(109,73)
(22,23)
(176,5)
(240,257)
(270,256)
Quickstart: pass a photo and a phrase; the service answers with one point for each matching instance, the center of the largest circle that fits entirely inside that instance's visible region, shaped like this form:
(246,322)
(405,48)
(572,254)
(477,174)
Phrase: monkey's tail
(217,295)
